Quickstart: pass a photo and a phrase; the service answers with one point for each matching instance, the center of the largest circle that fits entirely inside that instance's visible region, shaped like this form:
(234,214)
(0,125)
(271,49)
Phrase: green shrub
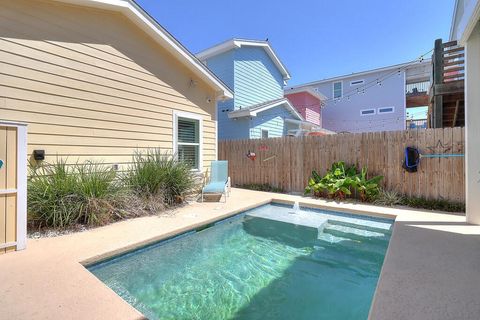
(432,204)
(158,174)
(388,198)
(261,187)
(341,180)
(60,195)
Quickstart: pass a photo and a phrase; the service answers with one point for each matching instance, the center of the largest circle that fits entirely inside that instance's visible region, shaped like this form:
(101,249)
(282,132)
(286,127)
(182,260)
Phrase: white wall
(472,127)
(344,115)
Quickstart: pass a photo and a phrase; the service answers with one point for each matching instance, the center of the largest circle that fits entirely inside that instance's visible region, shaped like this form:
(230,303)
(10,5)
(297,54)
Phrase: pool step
(373,226)
(351,232)
(330,238)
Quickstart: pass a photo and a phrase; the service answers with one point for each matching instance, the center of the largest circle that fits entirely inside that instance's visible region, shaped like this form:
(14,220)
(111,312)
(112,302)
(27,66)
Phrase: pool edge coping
(112,254)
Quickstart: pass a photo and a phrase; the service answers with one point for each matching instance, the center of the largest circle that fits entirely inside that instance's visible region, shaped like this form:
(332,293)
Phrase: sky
(315,39)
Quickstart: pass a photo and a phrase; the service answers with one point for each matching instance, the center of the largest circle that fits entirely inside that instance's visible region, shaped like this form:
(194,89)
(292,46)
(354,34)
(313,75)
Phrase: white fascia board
(254,113)
(362,73)
(285,102)
(144,21)
(470,18)
(238,43)
(216,50)
(452,36)
(309,90)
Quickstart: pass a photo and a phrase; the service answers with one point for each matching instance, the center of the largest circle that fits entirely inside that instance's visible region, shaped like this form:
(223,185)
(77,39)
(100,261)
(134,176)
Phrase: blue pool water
(265,264)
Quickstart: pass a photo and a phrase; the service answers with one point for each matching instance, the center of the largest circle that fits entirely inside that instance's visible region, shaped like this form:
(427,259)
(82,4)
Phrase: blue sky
(315,39)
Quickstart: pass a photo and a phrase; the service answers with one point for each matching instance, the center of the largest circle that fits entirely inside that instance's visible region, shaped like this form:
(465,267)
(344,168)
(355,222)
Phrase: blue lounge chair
(219,180)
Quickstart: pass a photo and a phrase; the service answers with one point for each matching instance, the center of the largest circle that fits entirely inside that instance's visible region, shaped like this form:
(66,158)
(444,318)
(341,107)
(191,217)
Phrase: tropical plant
(154,173)
(367,189)
(60,195)
(338,182)
(388,198)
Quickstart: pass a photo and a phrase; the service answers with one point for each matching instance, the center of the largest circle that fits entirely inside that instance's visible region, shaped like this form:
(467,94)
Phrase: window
(386,110)
(367,112)
(187,139)
(356,82)
(337,90)
(264,134)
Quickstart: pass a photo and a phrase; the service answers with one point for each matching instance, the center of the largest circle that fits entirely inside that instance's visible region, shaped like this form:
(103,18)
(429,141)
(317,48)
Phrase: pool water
(255,266)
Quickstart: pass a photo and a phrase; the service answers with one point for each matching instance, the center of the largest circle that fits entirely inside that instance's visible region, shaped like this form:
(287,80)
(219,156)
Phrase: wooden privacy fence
(287,162)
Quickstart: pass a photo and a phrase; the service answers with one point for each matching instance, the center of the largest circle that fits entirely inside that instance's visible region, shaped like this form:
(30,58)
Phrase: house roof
(362,73)
(253,110)
(309,90)
(238,43)
(147,23)
(464,19)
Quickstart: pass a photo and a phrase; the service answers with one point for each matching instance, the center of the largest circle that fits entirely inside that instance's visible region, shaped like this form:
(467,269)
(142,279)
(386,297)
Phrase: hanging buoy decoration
(251,155)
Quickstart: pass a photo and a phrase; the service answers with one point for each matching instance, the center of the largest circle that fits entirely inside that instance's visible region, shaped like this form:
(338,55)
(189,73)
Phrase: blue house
(256,75)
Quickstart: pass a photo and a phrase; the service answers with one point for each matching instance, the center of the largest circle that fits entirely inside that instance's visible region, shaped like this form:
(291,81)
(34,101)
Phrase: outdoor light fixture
(39,155)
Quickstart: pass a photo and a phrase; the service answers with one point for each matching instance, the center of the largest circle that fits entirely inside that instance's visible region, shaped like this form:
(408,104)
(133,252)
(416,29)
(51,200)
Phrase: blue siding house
(256,75)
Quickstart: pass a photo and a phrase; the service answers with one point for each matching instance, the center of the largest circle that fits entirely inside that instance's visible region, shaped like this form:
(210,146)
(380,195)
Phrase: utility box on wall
(13,186)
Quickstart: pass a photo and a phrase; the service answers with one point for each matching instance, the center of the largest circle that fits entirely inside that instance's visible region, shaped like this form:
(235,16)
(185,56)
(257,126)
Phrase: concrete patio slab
(431,270)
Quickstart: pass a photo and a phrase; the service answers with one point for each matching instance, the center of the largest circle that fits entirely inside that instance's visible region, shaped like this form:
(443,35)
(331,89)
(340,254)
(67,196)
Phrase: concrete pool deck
(431,270)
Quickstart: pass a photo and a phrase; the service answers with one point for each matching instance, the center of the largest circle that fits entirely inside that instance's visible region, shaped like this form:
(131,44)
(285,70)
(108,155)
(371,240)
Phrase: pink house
(307,102)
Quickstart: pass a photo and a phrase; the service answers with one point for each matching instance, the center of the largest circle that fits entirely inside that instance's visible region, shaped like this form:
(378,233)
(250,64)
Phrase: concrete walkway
(431,271)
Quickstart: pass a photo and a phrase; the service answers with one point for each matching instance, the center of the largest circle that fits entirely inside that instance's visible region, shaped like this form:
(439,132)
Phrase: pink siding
(307,105)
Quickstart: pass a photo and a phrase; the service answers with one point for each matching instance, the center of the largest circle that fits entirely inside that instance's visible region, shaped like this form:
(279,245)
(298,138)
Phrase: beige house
(98,79)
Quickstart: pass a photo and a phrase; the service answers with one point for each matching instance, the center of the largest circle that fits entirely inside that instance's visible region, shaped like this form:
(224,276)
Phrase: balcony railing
(417,88)
(416,124)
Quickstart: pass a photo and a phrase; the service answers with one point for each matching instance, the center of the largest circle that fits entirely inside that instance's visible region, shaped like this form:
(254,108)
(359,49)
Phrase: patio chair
(219,180)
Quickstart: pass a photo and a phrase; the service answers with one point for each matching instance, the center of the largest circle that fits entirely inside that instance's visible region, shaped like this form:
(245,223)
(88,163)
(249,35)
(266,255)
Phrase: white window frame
(193,116)
(261,133)
(380,112)
(333,90)
(361,81)
(368,114)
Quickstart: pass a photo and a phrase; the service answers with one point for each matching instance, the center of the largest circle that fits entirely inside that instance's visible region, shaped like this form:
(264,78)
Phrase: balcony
(417,94)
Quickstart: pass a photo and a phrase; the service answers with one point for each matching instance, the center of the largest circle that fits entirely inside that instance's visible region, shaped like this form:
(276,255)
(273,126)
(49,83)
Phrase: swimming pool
(267,263)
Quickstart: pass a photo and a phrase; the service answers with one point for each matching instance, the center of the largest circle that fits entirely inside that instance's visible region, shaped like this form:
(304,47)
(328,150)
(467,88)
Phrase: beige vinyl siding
(91,85)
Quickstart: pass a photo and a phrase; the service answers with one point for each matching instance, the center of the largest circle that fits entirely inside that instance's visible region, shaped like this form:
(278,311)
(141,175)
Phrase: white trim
(452,23)
(333,90)
(193,116)
(22,187)
(253,113)
(312,91)
(238,43)
(368,114)
(8,191)
(360,82)
(380,112)
(367,72)
(303,123)
(8,245)
(148,24)
(12,123)
(467,22)
(216,138)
